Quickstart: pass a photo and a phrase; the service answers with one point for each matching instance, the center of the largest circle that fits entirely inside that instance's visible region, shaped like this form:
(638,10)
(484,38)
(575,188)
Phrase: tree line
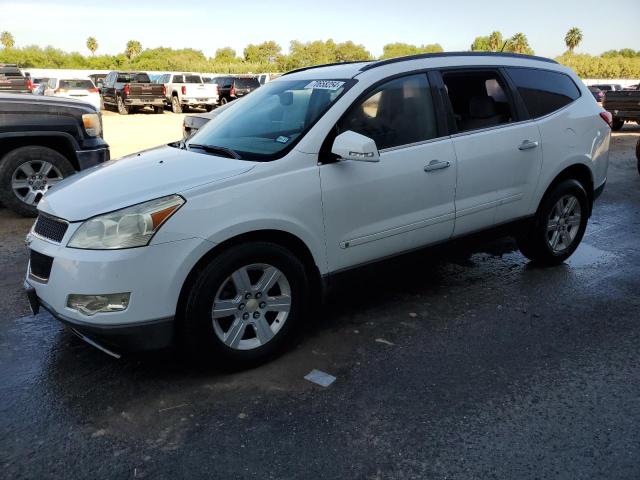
(269,57)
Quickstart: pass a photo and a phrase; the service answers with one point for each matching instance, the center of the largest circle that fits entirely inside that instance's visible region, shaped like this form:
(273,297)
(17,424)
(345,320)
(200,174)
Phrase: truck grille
(40,265)
(50,228)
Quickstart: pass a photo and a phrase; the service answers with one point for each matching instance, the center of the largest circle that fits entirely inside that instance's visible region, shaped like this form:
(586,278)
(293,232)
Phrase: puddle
(586,256)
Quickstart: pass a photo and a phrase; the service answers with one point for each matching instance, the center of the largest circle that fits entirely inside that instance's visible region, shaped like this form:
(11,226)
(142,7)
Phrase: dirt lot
(471,365)
(128,134)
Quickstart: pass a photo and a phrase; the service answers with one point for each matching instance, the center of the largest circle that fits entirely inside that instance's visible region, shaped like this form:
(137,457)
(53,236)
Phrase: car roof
(428,60)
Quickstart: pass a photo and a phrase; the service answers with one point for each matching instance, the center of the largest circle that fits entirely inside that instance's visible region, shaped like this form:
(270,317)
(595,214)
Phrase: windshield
(77,84)
(267,123)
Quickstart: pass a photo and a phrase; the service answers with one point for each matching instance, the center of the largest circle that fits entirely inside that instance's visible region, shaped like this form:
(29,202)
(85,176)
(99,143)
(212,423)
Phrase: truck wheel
(175,104)
(26,173)
(122,108)
(245,305)
(158,109)
(617,124)
(208,108)
(559,225)
(223,101)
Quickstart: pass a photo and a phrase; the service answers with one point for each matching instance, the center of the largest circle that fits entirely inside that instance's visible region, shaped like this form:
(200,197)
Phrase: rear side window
(543,91)
(192,79)
(247,83)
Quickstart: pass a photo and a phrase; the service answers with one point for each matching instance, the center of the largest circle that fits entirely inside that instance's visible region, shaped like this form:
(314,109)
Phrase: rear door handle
(436,165)
(527,145)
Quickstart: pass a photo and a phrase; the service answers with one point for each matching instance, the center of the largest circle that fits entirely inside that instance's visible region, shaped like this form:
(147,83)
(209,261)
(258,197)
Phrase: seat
(482,114)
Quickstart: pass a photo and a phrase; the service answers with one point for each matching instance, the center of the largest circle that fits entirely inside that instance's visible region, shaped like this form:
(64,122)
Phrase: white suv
(225,242)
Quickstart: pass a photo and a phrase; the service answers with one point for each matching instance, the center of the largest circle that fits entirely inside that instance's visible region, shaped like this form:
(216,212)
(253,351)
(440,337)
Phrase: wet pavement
(469,366)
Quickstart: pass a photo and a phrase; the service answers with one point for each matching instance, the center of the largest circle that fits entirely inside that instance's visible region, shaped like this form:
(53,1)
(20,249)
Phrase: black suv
(42,141)
(230,88)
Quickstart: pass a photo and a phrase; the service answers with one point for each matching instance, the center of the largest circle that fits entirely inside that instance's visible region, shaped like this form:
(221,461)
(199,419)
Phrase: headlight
(92,124)
(130,227)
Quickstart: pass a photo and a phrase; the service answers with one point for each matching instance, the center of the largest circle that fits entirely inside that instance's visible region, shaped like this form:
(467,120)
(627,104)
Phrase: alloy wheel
(563,223)
(251,306)
(31,180)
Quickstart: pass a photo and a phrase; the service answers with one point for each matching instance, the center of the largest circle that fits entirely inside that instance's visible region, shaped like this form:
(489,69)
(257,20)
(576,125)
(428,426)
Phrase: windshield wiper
(215,149)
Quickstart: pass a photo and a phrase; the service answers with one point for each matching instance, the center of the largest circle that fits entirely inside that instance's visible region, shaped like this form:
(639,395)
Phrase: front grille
(40,265)
(50,228)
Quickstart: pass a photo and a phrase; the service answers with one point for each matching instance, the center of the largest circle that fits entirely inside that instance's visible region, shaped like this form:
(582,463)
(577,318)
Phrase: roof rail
(420,56)
(302,69)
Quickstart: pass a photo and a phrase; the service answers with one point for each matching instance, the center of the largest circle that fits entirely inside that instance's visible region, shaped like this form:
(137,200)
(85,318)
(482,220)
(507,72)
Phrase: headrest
(482,107)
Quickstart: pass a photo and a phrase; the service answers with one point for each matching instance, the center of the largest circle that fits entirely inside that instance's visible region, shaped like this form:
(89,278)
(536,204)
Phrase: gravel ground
(472,365)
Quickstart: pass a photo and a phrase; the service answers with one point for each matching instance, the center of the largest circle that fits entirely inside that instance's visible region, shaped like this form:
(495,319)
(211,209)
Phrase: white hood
(135,179)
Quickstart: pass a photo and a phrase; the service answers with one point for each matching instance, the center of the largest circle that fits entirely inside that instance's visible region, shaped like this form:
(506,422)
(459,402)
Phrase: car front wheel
(559,225)
(245,305)
(26,174)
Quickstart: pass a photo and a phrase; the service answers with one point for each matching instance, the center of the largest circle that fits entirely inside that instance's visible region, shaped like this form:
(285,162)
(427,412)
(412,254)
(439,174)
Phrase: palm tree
(133,48)
(495,41)
(92,45)
(519,43)
(7,39)
(573,38)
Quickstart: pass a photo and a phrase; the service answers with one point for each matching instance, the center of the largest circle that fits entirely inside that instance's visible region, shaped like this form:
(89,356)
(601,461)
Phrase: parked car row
(624,106)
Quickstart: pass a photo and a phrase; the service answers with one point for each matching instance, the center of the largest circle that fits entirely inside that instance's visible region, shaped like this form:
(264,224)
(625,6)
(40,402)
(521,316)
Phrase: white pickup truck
(186,90)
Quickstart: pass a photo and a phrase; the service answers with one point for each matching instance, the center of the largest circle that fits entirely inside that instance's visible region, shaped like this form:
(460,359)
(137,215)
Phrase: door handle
(527,145)
(436,165)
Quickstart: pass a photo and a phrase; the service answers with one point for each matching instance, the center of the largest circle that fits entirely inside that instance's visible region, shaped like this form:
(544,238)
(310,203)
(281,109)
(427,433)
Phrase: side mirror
(350,145)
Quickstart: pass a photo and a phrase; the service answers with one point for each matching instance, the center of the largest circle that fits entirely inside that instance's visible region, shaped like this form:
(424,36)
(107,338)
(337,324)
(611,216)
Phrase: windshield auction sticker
(325,84)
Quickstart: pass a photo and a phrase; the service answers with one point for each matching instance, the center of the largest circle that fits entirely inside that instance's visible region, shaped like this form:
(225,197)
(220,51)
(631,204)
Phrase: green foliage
(133,48)
(92,45)
(573,38)
(393,50)
(267,57)
(588,66)
(489,43)
(265,52)
(7,40)
(625,52)
(225,55)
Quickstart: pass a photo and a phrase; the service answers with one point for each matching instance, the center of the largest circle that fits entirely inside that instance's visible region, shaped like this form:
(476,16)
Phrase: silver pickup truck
(184,90)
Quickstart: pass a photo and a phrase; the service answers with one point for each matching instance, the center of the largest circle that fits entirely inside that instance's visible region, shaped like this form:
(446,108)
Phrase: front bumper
(154,275)
(152,335)
(90,158)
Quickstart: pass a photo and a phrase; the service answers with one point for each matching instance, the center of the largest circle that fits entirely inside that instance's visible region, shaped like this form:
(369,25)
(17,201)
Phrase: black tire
(208,108)
(638,154)
(196,332)
(224,101)
(185,108)
(158,110)
(122,108)
(617,124)
(175,104)
(534,241)
(13,160)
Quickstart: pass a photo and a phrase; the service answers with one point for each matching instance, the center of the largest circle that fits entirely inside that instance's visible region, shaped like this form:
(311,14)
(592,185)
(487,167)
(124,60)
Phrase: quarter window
(397,113)
(543,91)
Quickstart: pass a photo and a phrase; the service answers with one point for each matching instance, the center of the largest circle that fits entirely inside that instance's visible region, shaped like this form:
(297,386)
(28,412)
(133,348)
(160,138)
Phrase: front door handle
(436,165)
(527,145)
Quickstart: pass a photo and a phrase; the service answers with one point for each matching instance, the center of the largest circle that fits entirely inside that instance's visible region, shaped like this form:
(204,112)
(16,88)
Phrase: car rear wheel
(27,173)
(175,104)
(559,225)
(617,124)
(122,108)
(245,305)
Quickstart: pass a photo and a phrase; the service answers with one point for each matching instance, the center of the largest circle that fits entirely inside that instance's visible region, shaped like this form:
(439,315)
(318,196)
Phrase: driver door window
(399,112)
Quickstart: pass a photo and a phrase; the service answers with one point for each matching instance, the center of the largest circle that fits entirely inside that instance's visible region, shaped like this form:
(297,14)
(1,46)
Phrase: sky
(209,25)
